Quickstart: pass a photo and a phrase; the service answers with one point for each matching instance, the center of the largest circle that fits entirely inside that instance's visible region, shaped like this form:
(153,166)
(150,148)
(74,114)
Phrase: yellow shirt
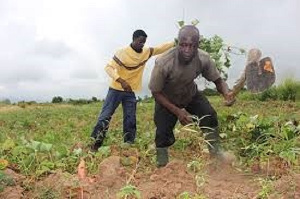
(134,63)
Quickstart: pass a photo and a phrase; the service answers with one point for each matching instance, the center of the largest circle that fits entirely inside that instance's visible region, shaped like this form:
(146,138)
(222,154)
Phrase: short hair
(190,30)
(138,33)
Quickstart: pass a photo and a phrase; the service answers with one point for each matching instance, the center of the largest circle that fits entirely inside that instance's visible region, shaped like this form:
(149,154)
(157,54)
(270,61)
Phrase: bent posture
(176,94)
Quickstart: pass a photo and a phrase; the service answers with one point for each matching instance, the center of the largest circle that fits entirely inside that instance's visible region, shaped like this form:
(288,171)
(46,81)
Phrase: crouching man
(176,94)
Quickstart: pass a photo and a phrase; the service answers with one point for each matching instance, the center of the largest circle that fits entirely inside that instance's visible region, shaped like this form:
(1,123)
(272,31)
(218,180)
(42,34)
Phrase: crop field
(44,153)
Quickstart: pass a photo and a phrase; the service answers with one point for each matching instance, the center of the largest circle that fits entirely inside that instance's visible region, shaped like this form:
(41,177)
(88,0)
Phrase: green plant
(289,89)
(266,188)
(187,195)
(195,165)
(57,99)
(128,191)
(5,180)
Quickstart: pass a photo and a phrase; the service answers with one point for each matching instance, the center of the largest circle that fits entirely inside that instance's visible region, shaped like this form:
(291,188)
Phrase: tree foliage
(57,99)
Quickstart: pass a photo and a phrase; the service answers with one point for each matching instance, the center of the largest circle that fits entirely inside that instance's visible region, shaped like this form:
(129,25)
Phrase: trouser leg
(164,137)
(201,107)
(129,117)
(110,104)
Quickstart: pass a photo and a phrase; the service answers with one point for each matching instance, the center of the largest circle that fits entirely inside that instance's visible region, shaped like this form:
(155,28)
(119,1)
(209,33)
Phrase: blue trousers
(112,101)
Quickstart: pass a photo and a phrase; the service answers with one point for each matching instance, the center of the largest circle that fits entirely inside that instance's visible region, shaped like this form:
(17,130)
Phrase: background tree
(94,99)
(57,99)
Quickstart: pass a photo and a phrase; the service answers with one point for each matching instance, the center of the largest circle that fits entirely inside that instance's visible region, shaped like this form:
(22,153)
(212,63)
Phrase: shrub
(57,99)
(94,99)
(210,92)
(289,90)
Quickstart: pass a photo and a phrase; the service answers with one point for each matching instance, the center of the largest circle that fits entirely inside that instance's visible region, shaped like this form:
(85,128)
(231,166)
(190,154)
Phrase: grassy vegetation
(288,90)
(38,139)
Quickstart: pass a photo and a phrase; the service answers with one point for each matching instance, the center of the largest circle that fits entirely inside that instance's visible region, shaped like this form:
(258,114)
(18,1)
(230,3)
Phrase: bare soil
(217,180)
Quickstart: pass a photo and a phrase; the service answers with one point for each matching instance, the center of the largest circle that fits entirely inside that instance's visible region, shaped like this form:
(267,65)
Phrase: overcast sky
(60,47)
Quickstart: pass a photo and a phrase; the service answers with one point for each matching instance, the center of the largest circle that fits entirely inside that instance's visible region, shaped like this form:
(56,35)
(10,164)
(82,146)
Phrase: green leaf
(8,144)
(223,135)
(180,23)
(42,170)
(48,164)
(77,152)
(44,147)
(195,22)
(35,145)
(104,151)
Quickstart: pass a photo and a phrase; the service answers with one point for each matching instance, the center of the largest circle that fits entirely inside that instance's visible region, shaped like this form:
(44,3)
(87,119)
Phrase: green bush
(210,92)
(5,101)
(269,94)
(57,99)
(288,90)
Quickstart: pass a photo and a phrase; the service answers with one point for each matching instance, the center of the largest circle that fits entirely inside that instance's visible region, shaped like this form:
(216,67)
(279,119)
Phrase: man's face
(138,43)
(187,47)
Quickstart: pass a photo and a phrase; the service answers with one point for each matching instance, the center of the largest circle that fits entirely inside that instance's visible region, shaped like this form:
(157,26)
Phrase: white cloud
(54,47)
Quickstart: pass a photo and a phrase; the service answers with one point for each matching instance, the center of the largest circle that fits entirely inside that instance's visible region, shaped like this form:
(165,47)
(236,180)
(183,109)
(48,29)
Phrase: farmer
(176,94)
(126,70)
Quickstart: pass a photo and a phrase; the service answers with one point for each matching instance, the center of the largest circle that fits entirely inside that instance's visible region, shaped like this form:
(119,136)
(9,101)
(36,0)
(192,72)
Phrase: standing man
(176,94)
(126,70)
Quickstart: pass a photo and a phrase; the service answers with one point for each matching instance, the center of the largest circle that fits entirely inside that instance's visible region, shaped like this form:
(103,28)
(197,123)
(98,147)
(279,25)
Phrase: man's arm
(111,70)
(222,88)
(211,73)
(163,47)
(182,114)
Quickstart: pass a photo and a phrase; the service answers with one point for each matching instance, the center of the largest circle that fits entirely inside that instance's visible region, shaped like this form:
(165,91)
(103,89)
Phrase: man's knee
(210,120)
(164,139)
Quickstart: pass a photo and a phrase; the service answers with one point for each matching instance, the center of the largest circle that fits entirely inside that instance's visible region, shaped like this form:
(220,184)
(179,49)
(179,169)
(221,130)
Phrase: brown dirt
(168,182)
(287,187)
(13,192)
(227,182)
(215,180)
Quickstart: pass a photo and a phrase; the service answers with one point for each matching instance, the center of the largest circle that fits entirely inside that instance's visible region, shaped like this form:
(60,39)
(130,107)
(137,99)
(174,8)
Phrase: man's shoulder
(167,57)
(121,50)
(203,55)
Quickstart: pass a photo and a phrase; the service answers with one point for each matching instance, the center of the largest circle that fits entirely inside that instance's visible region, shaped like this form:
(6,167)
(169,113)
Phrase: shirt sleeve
(210,71)
(163,47)
(157,79)
(111,70)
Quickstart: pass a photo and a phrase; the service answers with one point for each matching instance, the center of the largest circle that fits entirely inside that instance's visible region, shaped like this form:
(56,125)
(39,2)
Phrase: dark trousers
(165,121)
(112,101)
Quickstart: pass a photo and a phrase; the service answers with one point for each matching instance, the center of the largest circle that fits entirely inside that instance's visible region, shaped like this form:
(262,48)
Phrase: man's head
(138,40)
(188,42)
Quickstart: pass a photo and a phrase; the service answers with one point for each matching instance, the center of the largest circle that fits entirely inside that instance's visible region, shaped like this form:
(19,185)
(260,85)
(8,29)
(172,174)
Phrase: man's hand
(184,117)
(229,99)
(222,88)
(124,84)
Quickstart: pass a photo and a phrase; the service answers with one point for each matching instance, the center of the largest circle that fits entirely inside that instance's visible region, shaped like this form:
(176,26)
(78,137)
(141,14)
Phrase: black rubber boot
(162,156)
(212,137)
